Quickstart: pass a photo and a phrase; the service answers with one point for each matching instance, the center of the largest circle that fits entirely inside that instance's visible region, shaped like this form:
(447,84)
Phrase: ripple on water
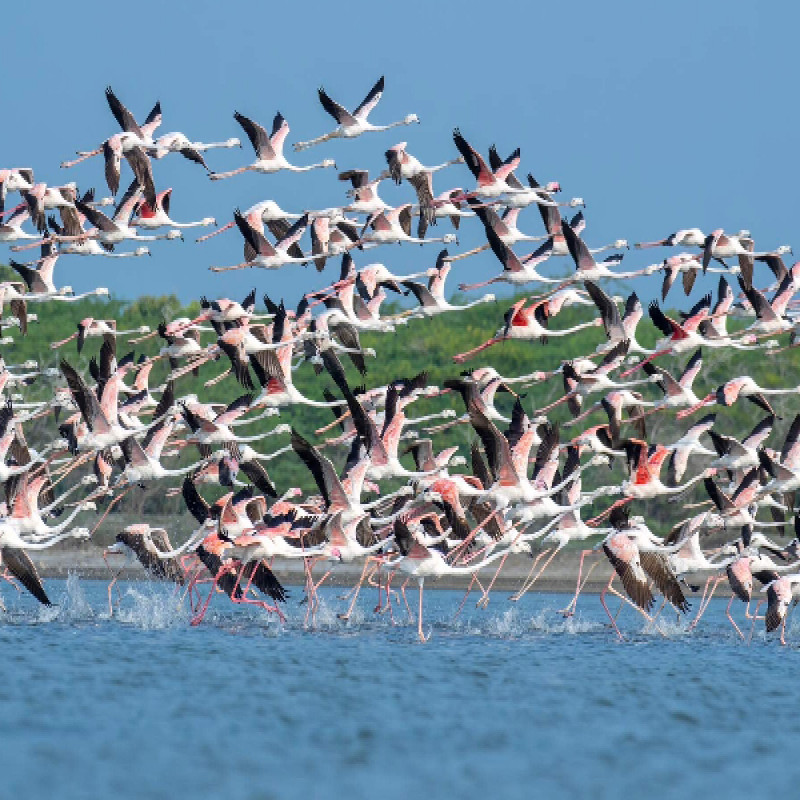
(539,704)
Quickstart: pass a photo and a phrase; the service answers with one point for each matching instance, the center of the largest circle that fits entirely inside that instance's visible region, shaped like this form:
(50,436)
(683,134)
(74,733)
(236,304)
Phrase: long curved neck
(50,542)
(55,530)
(182,470)
(473,568)
(189,544)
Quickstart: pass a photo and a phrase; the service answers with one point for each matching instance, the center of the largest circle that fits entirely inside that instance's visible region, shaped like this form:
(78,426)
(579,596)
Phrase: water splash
(154,607)
(506,624)
(72,605)
(545,621)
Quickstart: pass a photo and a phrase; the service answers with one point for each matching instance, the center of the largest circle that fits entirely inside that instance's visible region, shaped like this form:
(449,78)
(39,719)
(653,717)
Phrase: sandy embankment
(86,560)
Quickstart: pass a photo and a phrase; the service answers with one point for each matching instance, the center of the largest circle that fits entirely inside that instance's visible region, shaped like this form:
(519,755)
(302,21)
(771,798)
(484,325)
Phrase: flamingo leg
(625,600)
(111,586)
(730,618)
(8,578)
(110,506)
(702,611)
(466,595)
(612,619)
(578,585)
(484,599)
(527,583)
(755,617)
(522,589)
(422,636)
(199,616)
(405,599)
(656,615)
(346,616)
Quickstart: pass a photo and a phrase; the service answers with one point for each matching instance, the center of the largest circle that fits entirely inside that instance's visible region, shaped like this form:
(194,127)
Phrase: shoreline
(87,563)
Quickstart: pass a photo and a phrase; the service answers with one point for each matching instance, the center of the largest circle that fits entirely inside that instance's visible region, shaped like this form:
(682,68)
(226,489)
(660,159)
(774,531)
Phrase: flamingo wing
(122,115)
(577,248)
(339,113)
(258,137)
(280,130)
(143,170)
(19,564)
(370,101)
(476,164)
(323,472)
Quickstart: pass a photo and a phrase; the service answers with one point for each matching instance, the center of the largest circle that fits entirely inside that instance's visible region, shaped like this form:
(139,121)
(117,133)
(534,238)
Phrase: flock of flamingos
(519,488)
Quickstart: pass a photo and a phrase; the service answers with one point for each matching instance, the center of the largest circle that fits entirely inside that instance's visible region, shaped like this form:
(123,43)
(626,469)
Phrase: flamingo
(352,125)
(145,543)
(177,142)
(420,562)
(719,246)
(146,216)
(264,254)
(393,226)
(526,323)
(686,237)
(268,149)
(743,386)
(431,298)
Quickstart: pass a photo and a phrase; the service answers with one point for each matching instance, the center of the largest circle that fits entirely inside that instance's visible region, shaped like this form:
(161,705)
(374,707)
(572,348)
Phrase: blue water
(513,701)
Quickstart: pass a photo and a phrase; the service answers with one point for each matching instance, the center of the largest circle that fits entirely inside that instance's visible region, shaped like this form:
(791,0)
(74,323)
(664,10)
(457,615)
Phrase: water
(513,701)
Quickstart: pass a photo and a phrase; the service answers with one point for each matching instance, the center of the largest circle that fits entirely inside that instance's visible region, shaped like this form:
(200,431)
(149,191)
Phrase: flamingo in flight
(529,322)
(352,125)
(268,149)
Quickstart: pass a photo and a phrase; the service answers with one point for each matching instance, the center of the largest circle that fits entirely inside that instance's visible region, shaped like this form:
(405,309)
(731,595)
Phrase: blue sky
(661,116)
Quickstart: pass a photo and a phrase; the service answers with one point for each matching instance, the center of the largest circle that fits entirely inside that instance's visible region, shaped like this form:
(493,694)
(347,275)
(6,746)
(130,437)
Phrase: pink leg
(403,592)
(730,618)
(524,588)
(603,601)
(755,617)
(578,586)
(702,611)
(357,590)
(484,599)
(466,595)
(422,636)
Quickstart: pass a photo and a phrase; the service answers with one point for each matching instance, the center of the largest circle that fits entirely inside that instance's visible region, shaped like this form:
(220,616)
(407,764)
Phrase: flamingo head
(233,142)
(329,162)
(411,118)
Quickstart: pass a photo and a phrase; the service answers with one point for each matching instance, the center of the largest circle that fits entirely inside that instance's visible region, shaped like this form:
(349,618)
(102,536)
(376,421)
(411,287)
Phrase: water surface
(511,701)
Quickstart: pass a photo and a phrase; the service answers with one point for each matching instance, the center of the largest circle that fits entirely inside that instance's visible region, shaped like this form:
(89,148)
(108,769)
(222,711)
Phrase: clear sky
(662,116)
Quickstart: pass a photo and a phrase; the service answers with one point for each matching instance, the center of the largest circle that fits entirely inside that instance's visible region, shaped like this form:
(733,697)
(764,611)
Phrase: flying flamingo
(393,226)
(422,562)
(177,142)
(145,544)
(147,216)
(719,246)
(744,386)
(526,323)
(268,149)
(352,125)
(266,212)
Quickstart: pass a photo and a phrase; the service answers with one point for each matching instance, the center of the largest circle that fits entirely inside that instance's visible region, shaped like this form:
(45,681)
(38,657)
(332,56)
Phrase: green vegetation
(427,344)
